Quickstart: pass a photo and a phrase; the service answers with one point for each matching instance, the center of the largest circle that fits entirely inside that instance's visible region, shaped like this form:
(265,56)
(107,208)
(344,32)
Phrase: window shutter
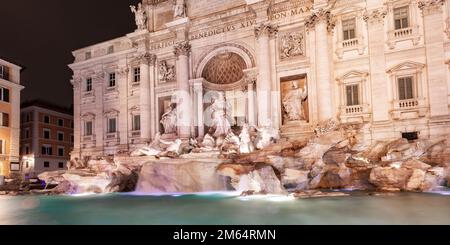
(349,96)
(409,88)
(5,120)
(5,94)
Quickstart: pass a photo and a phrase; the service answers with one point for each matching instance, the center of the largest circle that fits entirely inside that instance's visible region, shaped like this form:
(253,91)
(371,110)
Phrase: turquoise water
(403,208)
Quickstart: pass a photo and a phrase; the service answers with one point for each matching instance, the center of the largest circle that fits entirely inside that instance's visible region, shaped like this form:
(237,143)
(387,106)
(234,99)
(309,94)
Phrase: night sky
(41,34)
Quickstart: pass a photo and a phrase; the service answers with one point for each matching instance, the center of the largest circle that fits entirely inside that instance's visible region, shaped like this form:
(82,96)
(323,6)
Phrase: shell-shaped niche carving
(225,68)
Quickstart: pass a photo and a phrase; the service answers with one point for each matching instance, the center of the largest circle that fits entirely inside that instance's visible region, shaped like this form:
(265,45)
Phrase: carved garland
(374,16)
(430,6)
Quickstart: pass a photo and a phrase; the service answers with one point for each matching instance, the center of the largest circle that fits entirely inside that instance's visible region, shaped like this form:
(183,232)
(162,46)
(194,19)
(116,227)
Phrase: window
(110,49)
(410,136)
(27,150)
(112,80)
(4,119)
(352,92)
(401,18)
(2,147)
(27,164)
(88,128)
(27,133)
(60,165)
(405,88)
(137,74)
(60,151)
(88,55)
(348,27)
(4,94)
(61,122)
(60,136)
(27,117)
(15,166)
(47,150)
(47,119)
(89,85)
(46,164)
(136,122)
(112,125)
(71,124)
(72,139)
(46,133)
(4,72)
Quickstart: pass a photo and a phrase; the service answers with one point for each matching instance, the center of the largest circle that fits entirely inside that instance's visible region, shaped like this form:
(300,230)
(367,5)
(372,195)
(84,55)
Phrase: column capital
(375,15)
(266,29)
(430,6)
(182,48)
(123,71)
(318,16)
(147,58)
(251,76)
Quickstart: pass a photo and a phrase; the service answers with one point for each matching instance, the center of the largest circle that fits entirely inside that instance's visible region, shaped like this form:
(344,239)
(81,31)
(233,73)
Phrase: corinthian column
(434,44)
(319,21)
(263,33)
(146,60)
(184,109)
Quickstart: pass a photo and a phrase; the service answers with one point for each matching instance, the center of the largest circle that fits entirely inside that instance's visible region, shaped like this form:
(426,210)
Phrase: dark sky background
(41,34)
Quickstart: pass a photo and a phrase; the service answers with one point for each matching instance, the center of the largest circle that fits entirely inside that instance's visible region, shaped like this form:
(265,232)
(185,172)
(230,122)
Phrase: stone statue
(166,72)
(266,136)
(179,9)
(173,149)
(152,149)
(246,144)
(220,123)
(208,144)
(291,45)
(230,144)
(169,120)
(140,16)
(293,103)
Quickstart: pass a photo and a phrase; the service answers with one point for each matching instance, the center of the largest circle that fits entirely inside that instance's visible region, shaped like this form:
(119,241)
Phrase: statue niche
(294,100)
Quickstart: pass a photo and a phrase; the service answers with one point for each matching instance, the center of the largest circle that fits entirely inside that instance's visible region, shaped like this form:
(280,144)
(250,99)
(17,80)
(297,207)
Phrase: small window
(349,27)
(27,150)
(410,136)
(61,122)
(60,165)
(352,92)
(88,128)
(27,133)
(4,94)
(60,151)
(46,164)
(110,49)
(112,125)
(401,18)
(136,122)
(89,85)
(60,136)
(4,72)
(112,80)
(28,117)
(405,88)
(47,133)
(137,74)
(72,139)
(47,150)
(47,119)
(4,120)
(88,55)
(2,147)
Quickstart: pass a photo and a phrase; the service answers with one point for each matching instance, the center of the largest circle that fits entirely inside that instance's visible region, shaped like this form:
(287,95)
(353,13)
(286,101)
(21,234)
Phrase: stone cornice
(266,29)
(182,48)
(430,6)
(374,16)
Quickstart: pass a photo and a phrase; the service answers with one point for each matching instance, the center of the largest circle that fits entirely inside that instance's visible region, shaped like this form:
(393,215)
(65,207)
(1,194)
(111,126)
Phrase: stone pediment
(409,65)
(353,74)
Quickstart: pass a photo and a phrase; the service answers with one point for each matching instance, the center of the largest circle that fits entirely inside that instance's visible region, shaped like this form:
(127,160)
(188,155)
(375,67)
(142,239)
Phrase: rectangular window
(47,119)
(137,74)
(27,150)
(60,151)
(72,139)
(47,133)
(349,27)
(61,122)
(401,18)
(88,128)
(47,150)
(4,94)
(112,80)
(60,165)
(405,88)
(71,124)
(112,125)
(2,147)
(352,92)
(4,119)
(89,85)
(136,122)
(28,117)
(46,164)
(27,133)
(110,49)
(60,136)
(88,55)
(4,72)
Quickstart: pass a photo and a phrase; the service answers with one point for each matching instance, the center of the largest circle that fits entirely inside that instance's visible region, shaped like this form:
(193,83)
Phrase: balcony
(349,45)
(110,136)
(88,138)
(355,114)
(135,134)
(405,34)
(409,109)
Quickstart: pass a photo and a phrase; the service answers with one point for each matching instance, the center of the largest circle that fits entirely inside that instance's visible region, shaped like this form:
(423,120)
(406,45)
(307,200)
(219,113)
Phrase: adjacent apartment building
(9,117)
(46,137)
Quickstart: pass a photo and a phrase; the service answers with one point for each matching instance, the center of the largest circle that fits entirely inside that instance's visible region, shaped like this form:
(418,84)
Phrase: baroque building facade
(383,66)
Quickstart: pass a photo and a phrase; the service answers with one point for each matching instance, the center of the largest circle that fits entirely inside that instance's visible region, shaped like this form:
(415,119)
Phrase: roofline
(46,105)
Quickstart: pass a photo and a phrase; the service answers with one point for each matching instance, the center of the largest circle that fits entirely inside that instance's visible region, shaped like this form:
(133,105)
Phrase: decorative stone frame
(357,113)
(412,32)
(134,111)
(413,108)
(356,43)
(111,93)
(88,117)
(113,136)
